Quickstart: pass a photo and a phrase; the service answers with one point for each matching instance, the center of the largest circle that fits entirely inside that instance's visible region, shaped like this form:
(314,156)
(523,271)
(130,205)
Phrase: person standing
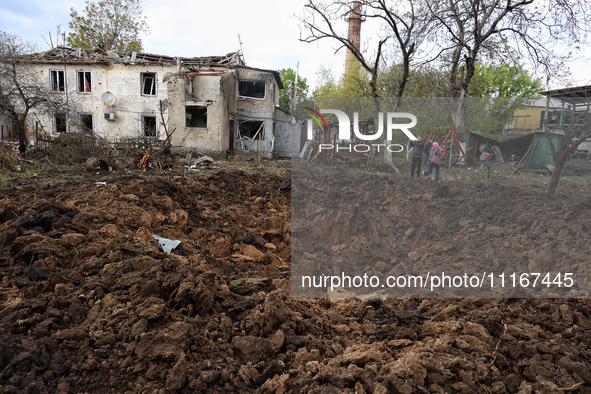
(417,156)
(426,151)
(434,161)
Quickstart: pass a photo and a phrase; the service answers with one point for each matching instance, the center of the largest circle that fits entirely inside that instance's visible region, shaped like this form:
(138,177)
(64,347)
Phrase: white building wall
(287,135)
(124,81)
(206,87)
(258,109)
(213,92)
(219,93)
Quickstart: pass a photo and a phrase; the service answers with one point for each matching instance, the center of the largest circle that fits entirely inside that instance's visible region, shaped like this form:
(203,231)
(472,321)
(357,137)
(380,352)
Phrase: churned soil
(385,225)
(90,303)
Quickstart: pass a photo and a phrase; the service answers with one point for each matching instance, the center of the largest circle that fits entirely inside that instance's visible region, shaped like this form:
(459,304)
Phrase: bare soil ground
(354,222)
(89,303)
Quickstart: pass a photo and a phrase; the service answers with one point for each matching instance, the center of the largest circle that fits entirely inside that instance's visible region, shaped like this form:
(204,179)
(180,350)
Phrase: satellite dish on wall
(108,99)
(161,105)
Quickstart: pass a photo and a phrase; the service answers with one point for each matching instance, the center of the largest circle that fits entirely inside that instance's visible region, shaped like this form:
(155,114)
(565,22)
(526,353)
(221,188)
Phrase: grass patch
(7,178)
(8,158)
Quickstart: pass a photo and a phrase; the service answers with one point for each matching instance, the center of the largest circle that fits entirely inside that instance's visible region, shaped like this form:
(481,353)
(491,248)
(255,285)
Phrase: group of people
(433,157)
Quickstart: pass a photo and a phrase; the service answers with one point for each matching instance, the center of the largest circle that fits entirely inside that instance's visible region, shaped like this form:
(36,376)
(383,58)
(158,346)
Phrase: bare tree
(506,31)
(408,23)
(321,20)
(401,21)
(21,90)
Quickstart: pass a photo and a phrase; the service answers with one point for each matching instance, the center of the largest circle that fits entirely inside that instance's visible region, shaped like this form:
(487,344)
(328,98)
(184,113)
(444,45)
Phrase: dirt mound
(89,303)
(383,225)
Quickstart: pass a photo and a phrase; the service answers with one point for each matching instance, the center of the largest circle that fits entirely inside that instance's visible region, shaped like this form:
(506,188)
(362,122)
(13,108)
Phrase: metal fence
(121,144)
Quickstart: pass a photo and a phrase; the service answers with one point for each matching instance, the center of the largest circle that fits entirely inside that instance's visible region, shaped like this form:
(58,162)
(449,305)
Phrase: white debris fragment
(167,244)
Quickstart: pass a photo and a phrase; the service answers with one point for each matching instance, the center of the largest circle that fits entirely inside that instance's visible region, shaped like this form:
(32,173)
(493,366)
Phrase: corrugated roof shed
(575,95)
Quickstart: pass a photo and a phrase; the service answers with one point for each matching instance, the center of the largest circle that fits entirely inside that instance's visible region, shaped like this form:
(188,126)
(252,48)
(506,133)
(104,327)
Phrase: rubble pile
(90,303)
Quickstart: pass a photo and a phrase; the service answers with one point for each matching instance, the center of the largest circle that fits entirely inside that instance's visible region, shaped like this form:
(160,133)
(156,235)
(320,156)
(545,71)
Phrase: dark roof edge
(565,91)
(275,73)
(502,138)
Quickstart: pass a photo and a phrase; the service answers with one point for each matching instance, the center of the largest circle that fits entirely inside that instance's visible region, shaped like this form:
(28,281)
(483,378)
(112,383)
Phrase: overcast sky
(268,30)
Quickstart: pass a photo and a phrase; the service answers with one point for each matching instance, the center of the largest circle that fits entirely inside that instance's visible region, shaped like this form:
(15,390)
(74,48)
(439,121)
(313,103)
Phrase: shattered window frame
(84,81)
(248,89)
(60,123)
(146,131)
(189,80)
(57,80)
(249,129)
(196,116)
(84,125)
(148,90)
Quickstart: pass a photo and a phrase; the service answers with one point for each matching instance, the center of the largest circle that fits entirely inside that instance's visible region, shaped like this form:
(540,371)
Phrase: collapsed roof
(67,55)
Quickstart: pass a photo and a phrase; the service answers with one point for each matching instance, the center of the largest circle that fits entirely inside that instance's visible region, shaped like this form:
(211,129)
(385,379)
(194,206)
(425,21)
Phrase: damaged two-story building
(210,104)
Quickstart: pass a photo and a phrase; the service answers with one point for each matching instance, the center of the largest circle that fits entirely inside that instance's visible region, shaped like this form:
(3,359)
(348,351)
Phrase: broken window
(251,129)
(84,81)
(196,116)
(149,126)
(86,123)
(189,84)
(254,89)
(149,84)
(57,80)
(60,124)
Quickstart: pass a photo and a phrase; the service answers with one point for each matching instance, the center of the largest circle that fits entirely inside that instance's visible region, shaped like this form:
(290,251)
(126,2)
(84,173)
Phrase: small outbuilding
(530,151)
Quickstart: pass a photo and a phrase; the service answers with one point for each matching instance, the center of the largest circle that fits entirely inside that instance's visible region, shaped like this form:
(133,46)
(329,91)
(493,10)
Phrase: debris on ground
(167,244)
(95,164)
(246,155)
(9,159)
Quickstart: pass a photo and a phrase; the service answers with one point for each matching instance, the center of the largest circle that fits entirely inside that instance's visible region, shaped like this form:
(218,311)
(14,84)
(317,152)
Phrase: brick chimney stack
(354,34)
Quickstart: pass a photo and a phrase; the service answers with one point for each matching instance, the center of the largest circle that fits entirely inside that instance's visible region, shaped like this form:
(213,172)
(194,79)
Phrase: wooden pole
(334,154)
(451,149)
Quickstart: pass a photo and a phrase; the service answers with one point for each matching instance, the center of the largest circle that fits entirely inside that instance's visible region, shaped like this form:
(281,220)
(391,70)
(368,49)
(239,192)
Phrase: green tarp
(533,146)
(541,154)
